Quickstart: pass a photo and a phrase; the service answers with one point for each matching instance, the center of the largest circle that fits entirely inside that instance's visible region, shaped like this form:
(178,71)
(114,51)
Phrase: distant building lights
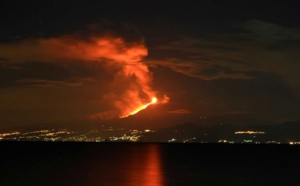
(249,132)
(172,140)
(294,142)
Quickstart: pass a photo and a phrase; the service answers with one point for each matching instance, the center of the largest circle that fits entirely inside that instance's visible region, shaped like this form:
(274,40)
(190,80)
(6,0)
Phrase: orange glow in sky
(131,82)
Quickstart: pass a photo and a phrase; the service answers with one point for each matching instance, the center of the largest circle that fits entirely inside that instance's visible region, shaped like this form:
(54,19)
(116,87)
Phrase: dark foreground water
(135,164)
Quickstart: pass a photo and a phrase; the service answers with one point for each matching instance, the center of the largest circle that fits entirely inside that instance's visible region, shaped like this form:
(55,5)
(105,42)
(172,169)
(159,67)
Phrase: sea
(147,164)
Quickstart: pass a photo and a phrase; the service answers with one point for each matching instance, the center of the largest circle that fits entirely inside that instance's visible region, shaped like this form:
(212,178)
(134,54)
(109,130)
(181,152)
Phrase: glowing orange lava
(153,101)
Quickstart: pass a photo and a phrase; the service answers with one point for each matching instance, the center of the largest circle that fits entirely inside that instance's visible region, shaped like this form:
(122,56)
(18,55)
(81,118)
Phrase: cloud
(179,111)
(91,44)
(268,30)
(199,58)
(119,48)
(74,82)
(201,70)
(3,59)
(233,113)
(257,47)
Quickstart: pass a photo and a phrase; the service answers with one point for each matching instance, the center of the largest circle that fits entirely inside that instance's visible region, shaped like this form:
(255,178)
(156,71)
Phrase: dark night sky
(230,61)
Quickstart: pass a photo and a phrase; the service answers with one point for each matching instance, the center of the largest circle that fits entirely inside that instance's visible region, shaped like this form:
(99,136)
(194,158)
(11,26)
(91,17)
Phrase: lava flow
(153,101)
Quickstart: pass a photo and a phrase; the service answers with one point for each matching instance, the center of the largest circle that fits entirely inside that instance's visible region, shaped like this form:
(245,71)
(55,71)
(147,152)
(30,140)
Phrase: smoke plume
(119,46)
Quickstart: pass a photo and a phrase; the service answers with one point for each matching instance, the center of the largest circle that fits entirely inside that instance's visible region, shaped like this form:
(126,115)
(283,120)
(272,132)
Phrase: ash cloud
(119,49)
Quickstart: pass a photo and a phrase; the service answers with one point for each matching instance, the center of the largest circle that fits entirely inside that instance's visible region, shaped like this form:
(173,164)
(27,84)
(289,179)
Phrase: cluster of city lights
(249,132)
(93,135)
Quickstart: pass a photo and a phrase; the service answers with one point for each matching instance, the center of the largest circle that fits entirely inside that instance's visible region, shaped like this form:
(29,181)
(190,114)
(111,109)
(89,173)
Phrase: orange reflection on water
(153,170)
(145,167)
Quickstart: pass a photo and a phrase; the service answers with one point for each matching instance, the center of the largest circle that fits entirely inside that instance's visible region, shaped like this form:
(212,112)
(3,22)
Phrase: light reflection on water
(130,165)
(153,171)
(145,167)
(124,164)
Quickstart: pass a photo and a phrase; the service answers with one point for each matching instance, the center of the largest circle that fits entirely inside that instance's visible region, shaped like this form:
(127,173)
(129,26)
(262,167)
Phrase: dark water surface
(146,164)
